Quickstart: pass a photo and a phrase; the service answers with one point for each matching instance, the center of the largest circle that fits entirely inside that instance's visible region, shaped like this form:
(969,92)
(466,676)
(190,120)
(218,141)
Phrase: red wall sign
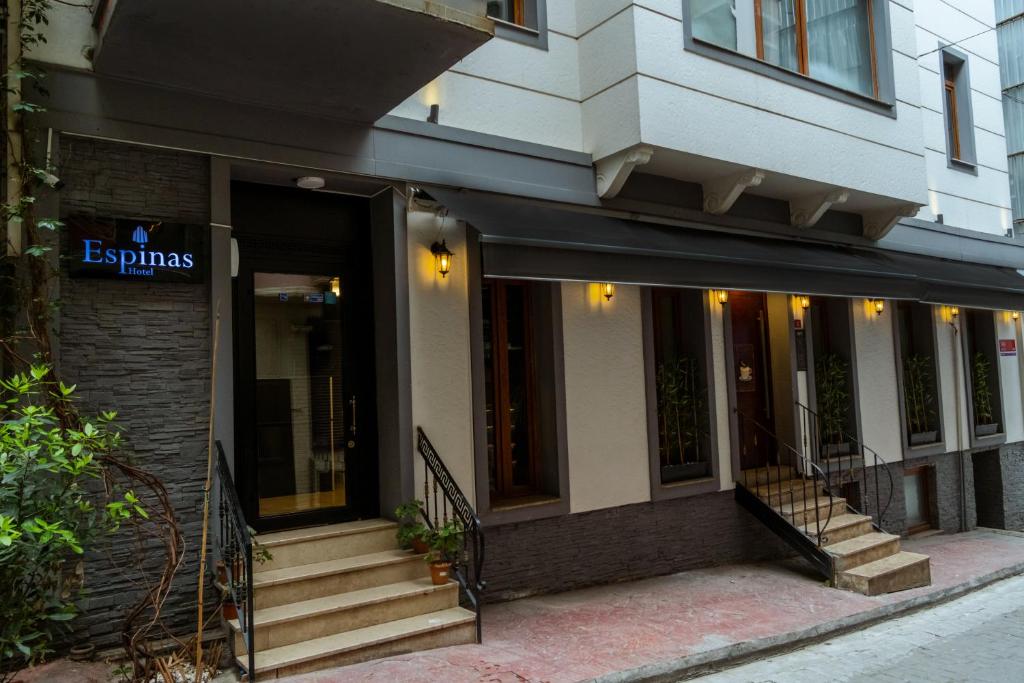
(1007,347)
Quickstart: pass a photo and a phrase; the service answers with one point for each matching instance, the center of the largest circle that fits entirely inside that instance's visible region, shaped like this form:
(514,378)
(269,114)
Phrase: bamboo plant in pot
(412,532)
(918,399)
(984,421)
(682,419)
(831,381)
(445,544)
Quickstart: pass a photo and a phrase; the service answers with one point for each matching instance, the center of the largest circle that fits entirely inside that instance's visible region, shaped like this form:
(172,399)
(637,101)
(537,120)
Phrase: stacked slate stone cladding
(624,543)
(142,349)
(999,487)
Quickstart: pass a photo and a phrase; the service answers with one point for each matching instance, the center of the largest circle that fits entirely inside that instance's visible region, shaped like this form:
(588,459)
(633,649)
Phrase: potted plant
(831,379)
(918,398)
(984,422)
(682,419)
(445,543)
(412,532)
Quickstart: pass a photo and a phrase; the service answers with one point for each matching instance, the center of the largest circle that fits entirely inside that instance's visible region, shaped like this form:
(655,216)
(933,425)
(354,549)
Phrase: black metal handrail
(804,471)
(815,443)
(467,567)
(233,547)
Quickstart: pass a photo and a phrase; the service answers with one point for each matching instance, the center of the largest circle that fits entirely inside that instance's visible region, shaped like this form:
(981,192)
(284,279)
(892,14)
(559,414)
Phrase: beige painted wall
(876,379)
(606,404)
(721,383)
(442,397)
(1009,380)
(951,380)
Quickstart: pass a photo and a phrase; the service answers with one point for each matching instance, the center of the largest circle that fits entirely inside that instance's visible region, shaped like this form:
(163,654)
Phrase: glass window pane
(778,33)
(511,11)
(839,44)
(714,21)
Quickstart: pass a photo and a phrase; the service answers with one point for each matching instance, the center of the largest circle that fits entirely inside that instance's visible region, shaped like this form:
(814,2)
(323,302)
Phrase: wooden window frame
(504,488)
(952,117)
(802,56)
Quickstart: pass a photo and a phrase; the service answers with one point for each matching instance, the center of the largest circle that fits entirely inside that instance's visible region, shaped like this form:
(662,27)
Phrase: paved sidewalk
(661,628)
(977,638)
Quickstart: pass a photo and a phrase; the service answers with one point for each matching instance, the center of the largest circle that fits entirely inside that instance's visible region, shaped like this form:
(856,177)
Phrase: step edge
(853,571)
(860,519)
(881,538)
(468,618)
(257,582)
(326,532)
(276,621)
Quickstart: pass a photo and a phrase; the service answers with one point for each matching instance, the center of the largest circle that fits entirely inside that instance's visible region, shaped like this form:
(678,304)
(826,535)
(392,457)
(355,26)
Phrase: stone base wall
(999,481)
(142,349)
(623,543)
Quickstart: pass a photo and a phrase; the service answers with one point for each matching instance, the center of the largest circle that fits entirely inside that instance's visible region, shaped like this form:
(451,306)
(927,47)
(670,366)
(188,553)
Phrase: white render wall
(980,202)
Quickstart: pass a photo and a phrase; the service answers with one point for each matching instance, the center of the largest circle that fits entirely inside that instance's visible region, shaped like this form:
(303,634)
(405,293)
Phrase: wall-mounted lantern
(805,301)
(607,290)
(1015,315)
(336,286)
(723,296)
(879,305)
(442,257)
(954,312)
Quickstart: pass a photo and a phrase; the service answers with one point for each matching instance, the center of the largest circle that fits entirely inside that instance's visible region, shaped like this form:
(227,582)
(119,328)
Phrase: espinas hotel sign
(138,250)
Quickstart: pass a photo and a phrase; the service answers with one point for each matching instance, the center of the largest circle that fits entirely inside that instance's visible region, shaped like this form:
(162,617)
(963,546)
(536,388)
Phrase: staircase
(849,548)
(342,594)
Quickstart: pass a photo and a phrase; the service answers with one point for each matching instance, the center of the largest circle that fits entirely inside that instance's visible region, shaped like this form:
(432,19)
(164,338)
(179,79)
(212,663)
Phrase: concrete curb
(729,656)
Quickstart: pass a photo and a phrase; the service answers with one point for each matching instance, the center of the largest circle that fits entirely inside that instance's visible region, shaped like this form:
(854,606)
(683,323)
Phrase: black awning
(524,239)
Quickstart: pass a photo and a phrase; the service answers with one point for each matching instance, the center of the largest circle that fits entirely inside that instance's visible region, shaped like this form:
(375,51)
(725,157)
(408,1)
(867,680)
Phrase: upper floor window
(512,11)
(832,41)
(521,21)
(956,100)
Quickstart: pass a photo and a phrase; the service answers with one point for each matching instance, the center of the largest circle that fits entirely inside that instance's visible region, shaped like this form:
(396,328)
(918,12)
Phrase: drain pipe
(957,376)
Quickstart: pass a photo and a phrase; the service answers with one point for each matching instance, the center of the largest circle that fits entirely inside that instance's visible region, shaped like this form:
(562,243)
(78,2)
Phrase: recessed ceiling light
(310,182)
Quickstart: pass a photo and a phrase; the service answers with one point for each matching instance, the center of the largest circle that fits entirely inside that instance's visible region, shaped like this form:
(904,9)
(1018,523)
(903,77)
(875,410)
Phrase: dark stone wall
(988,489)
(143,350)
(1012,469)
(623,543)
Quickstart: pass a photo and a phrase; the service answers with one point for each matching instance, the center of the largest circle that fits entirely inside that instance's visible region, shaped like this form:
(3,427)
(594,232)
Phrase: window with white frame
(832,41)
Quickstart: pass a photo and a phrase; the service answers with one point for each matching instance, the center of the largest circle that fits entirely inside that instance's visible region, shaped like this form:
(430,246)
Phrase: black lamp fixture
(442,257)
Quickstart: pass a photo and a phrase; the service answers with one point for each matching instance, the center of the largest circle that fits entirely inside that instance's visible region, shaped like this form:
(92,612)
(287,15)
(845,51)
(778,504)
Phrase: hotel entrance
(304,375)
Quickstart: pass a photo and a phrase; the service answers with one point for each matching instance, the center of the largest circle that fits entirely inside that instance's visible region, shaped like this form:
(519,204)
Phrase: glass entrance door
(304,406)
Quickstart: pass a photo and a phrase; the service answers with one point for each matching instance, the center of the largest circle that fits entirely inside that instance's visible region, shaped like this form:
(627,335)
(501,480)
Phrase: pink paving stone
(589,633)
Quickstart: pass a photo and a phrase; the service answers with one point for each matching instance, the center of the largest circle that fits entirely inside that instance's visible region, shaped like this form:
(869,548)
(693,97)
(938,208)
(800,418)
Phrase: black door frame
(357,317)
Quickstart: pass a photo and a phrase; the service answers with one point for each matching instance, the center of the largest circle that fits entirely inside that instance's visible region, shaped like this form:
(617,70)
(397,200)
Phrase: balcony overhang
(350,59)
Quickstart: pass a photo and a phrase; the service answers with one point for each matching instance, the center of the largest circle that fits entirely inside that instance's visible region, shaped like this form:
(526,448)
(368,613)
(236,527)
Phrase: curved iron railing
(233,547)
(468,566)
(800,470)
(818,447)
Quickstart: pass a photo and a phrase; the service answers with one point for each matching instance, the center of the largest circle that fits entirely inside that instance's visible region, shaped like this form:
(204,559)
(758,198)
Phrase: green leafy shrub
(49,515)
(445,542)
(410,524)
(982,391)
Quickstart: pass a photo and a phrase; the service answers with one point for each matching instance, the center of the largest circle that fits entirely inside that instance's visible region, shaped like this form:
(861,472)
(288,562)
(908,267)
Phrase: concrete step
(863,549)
(320,579)
(801,513)
(844,527)
(335,541)
(785,492)
(453,626)
(761,475)
(309,619)
(894,573)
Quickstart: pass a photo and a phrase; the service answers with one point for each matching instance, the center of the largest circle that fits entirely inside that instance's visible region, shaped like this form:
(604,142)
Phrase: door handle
(352,423)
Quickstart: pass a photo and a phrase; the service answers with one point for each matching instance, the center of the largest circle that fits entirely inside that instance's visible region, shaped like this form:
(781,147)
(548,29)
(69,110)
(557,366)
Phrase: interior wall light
(442,257)
(879,305)
(607,290)
(723,296)
(805,301)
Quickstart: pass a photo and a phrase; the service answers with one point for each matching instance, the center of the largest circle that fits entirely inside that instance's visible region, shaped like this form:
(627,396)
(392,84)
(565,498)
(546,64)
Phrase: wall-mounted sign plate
(1007,347)
(136,250)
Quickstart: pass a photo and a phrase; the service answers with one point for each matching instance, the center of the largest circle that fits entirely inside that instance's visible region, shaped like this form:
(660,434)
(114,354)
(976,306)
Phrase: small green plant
(831,377)
(410,525)
(682,410)
(49,513)
(918,383)
(260,553)
(982,391)
(445,542)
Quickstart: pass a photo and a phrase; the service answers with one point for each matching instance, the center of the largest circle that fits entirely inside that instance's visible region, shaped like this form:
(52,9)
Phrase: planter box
(831,450)
(691,470)
(986,430)
(922,438)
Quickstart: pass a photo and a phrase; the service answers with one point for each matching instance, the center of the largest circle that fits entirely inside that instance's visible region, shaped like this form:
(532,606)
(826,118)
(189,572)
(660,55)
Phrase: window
(522,21)
(916,338)
(681,384)
(835,395)
(831,41)
(982,361)
(519,406)
(956,85)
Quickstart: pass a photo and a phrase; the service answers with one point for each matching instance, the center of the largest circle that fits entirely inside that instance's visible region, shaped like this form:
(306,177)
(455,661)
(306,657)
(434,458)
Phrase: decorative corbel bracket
(877,224)
(612,171)
(805,212)
(721,193)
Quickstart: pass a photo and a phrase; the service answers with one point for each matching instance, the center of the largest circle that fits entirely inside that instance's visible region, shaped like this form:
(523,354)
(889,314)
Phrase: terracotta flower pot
(229,611)
(420,546)
(439,572)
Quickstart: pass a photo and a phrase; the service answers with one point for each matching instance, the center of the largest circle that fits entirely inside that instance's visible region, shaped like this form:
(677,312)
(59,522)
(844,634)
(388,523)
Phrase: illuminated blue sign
(137,250)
